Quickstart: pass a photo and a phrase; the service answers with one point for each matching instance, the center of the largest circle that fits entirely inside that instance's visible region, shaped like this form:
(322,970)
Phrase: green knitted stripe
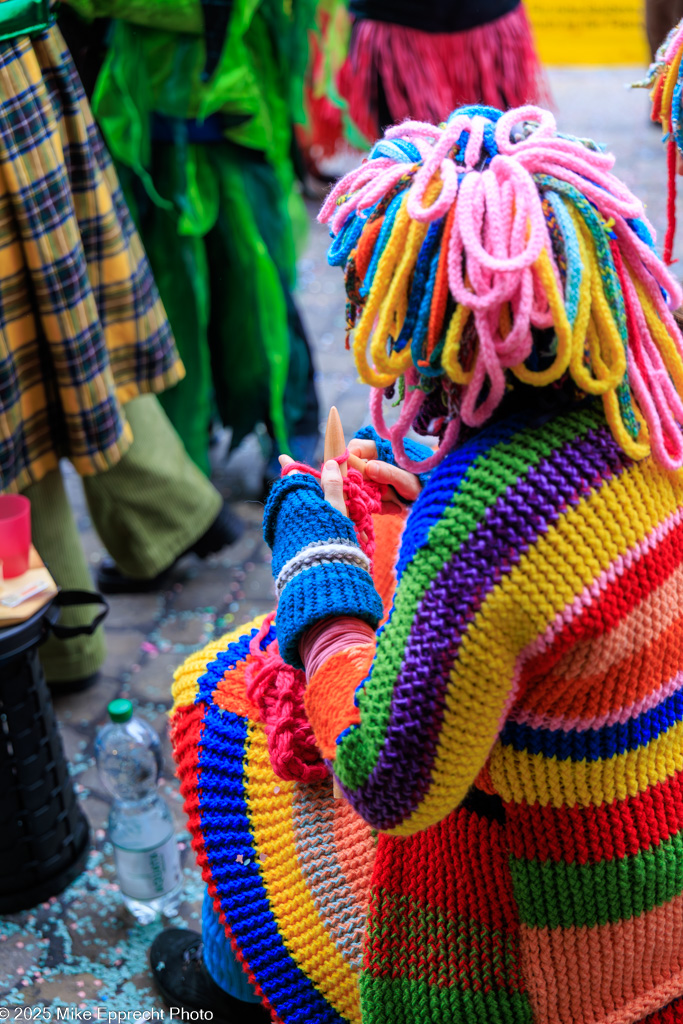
(401,1000)
(424,943)
(561,895)
(486,481)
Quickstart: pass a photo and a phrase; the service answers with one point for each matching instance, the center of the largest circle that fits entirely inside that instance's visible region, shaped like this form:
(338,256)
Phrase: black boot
(182,979)
(226,529)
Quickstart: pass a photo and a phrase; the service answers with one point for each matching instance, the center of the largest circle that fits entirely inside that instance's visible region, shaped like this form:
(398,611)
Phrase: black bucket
(44,836)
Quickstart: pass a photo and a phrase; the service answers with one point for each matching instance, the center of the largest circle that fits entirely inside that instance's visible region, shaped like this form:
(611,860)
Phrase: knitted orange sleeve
(329,699)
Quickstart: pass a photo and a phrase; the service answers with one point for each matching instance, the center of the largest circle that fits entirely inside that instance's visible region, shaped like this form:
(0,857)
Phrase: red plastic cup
(15,534)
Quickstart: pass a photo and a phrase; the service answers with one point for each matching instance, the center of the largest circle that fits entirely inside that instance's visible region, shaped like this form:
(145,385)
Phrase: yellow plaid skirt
(82,328)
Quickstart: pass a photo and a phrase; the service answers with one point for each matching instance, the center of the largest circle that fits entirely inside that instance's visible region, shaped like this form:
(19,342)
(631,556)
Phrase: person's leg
(201,972)
(55,535)
(155,503)
(219,958)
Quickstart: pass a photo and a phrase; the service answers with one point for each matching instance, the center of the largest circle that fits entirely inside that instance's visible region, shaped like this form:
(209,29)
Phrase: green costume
(198,114)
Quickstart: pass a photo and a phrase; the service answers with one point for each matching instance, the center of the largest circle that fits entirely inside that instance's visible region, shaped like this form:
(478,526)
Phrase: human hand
(331,482)
(397,485)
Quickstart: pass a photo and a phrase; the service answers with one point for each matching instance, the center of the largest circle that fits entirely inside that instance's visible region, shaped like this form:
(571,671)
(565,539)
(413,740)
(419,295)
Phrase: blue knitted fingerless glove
(418,452)
(320,570)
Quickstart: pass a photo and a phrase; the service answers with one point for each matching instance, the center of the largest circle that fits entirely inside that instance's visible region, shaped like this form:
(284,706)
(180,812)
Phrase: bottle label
(148,874)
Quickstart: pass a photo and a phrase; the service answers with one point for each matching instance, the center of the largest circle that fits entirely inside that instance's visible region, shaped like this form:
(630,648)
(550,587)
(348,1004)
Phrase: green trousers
(148,509)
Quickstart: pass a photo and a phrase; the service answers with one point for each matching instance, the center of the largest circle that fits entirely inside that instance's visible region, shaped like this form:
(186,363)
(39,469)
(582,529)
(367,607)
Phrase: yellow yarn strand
(450,357)
(380,286)
(635,449)
(539,378)
(389,298)
(606,348)
(395,364)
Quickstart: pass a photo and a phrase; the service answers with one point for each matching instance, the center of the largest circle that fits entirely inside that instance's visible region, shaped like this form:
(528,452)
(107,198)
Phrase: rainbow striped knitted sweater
(517,736)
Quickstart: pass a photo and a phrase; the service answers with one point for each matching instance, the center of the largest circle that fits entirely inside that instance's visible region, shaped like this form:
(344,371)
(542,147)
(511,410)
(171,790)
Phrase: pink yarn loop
(500,254)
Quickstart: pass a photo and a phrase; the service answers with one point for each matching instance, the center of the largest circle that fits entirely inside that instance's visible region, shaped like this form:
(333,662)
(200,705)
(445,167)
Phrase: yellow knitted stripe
(270,803)
(533,777)
(545,582)
(186,678)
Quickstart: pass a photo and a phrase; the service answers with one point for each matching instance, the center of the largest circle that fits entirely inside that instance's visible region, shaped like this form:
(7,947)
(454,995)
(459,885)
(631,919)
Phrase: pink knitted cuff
(329,636)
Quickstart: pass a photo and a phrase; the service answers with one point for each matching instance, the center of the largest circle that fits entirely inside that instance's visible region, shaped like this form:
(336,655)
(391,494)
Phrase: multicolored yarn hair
(666,85)
(462,243)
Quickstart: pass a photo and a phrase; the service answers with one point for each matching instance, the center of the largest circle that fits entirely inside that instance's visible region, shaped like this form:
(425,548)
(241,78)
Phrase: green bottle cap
(120,710)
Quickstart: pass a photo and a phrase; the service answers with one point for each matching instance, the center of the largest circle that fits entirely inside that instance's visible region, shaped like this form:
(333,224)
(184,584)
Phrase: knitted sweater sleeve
(482,572)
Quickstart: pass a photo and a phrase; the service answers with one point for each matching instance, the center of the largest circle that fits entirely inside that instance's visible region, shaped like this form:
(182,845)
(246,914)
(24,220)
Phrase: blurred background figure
(421,59)
(85,347)
(665,82)
(196,102)
(660,18)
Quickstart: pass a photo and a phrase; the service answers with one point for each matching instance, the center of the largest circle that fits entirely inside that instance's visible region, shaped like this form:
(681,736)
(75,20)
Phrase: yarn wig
(493,252)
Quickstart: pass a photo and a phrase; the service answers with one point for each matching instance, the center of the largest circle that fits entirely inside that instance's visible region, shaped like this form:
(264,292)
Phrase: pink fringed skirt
(394,72)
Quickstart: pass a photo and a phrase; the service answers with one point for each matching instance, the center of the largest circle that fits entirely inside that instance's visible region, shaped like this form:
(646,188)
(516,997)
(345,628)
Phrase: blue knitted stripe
(225,661)
(596,744)
(226,830)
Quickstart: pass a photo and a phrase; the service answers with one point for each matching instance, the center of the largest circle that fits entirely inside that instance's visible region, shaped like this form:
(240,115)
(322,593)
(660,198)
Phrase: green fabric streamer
(235,206)
(225,282)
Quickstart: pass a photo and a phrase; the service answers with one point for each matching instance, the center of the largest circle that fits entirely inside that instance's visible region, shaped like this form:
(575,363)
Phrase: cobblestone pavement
(82,950)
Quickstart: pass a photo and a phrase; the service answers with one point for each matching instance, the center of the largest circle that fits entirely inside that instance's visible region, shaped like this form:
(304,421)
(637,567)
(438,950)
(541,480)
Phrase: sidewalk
(82,950)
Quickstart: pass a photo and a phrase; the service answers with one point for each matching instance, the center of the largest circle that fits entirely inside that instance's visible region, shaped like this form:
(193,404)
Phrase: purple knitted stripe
(403,772)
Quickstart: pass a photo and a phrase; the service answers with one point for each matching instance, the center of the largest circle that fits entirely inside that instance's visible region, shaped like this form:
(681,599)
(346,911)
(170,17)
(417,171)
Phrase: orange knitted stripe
(610,974)
(231,692)
(329,695)
(571,688)
(388,531)
(625,682)
(355,849)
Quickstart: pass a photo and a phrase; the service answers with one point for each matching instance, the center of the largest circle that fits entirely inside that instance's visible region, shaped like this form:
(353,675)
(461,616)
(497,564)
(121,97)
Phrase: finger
(333,486)
(406,484)
(285,460)
(393,508)
(362,448)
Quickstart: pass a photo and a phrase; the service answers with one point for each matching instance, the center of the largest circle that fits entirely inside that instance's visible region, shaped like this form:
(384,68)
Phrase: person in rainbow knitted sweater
(503,717)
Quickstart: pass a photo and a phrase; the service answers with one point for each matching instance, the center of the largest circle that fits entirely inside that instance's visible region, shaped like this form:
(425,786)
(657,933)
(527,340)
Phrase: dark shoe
(110,580)
(73,685)
(184,983)
(226,529)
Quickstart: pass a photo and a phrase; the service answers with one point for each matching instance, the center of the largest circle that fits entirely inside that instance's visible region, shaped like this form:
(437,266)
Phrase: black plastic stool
(44,836)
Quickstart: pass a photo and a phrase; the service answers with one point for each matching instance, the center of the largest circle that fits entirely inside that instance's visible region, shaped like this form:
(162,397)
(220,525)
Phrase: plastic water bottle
(146,855)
